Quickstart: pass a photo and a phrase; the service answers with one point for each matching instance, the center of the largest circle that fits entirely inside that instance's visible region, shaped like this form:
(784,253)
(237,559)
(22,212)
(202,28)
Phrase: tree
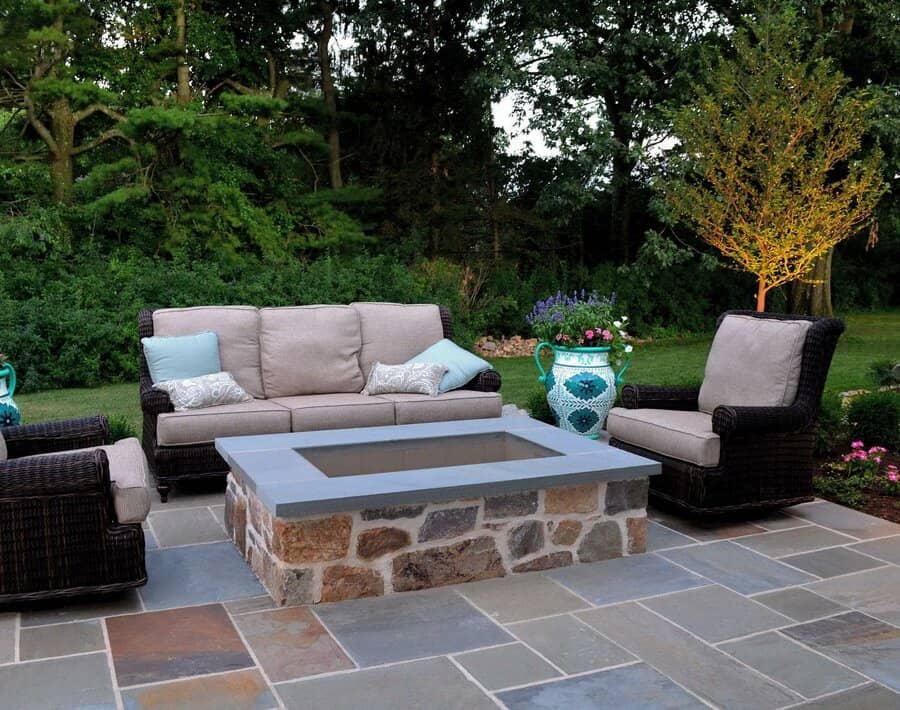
(774,177)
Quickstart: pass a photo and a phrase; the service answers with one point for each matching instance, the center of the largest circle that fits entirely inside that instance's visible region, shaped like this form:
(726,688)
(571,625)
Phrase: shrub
(875,418)
(120,428)
(539,408)
(885,373)
(832,432)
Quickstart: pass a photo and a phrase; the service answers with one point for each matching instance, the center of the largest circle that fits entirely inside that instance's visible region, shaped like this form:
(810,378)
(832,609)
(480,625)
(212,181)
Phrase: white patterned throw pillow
(204,391)
(414,378)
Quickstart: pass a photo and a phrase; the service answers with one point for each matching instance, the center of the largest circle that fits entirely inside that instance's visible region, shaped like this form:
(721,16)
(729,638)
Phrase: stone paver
(571,645)
(626,578)
(239,690)
(506,666)
(800,669)
(405,626)
(715,613)
(779,521)
(291,643)
(799,604)
(867,697)
(659,537)
(844,520)
(635,686)
(874,592)
(432,683)
(59,683)
(61,640)
(887,549)
(523,597)
(82,609)
(704,530)
(792,542)
(832,563)
(703,670)
(186,526)
(737,568)
(7,638)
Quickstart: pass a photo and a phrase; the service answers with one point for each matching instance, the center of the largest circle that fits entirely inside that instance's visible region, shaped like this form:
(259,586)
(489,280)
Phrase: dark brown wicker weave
(59,536)
(198,461)
(766,452)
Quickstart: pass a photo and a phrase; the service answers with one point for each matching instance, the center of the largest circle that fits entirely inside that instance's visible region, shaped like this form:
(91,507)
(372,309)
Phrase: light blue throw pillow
(180,357)
(461,365)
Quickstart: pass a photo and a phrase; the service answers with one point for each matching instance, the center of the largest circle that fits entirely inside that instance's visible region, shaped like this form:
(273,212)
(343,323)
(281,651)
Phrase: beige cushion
(753,362)
(392,333)
(128,474)
(201,426)
(310,350)
(3,453)
(237,328)
(686,436)
(337,411)
(457,404)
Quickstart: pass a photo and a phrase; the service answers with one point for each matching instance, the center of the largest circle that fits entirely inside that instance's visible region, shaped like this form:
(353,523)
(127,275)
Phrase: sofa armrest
(486,381)
(58,435)
(154,402)
(730,420)
(59,474)
(660,397)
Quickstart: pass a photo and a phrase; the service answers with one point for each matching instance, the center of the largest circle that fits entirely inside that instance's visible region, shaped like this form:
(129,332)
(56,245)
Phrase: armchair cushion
(683,435)
(753,362)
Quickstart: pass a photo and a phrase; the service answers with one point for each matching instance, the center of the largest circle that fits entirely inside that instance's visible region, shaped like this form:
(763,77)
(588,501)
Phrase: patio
(797,609)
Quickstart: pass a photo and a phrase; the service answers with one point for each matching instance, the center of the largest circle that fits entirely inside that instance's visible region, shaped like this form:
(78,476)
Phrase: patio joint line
(474,681)
(252,654)
(827,695)
(334,637)
(17,637)
(774,629)
(111,666)
(579,674)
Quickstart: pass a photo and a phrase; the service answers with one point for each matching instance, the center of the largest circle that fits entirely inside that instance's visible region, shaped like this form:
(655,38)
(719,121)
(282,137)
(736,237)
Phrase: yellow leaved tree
(773,175)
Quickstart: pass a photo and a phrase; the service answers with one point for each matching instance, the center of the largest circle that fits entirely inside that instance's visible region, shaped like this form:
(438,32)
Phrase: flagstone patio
(797,609)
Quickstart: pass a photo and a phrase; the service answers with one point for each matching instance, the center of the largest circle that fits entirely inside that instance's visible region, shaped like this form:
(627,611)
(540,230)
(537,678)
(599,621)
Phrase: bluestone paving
(7,638)
(711,674)
(187,526)
(799,604)
(405,626)
(626,578)
(635,686)
(887,549)
(82,608)
(874,592)
(844,520)
(715,613)
(736,567)
(791,542)
(779,520)
(867,645)
(571,645)
(431,683)
(506,666)
(239,690)
(197,574)
(75,682)
(833,562)
(61,640)
(250,605)
(524,597)
(866,697)
(793,665)
(704,530)
(659,537)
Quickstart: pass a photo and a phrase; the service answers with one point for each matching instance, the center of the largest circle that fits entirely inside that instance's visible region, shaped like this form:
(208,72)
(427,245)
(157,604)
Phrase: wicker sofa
(71,507)
(748,446)
(305,367)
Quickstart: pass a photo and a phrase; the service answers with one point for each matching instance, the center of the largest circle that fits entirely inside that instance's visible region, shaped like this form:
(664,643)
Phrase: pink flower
(877,450)
(607,335)
(892,467)
(857,445)
(559,337)
(589,334)
(892,476)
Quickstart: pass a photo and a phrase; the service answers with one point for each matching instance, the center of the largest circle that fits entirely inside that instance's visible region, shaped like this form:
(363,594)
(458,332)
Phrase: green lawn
(869,337)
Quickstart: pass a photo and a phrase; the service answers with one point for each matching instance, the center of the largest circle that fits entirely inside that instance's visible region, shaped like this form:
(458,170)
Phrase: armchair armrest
(487,381)
(153,401)
(660,397)
(59,435)
(60,474)
(729,420)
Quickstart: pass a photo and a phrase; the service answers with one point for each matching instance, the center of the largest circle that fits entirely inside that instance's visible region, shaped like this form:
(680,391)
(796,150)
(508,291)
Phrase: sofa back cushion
(753,362)
(392,333)
(310,350)
(237,328)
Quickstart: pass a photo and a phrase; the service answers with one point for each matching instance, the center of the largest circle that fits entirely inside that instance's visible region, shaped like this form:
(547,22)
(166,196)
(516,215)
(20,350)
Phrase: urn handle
(8,372)
(537,359)
(620,375)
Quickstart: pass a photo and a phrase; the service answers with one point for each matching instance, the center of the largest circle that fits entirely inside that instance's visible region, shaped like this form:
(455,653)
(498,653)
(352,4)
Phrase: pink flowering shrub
(856,472)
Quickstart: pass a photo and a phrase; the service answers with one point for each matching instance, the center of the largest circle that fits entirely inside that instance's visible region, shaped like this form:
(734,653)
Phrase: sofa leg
(163,489)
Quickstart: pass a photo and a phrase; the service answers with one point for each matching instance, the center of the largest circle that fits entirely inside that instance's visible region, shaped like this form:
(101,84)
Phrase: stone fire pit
(332,515)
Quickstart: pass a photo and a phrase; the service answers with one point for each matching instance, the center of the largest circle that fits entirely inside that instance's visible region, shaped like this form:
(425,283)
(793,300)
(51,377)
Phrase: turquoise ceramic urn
(9,411)
(581,387)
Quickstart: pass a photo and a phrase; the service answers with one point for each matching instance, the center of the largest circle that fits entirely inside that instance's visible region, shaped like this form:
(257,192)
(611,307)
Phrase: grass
(869,337)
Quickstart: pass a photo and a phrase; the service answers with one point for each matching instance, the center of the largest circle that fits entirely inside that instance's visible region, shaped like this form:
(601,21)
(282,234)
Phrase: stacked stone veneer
(326,558)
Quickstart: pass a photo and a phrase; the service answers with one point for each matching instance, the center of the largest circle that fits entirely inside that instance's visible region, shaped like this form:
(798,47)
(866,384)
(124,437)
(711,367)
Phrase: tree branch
(91,109)
(102,138)
(38,126)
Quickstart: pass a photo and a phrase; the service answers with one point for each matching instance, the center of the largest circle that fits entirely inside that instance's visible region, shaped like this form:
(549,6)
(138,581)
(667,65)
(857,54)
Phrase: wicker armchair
(59,535)
(764,453)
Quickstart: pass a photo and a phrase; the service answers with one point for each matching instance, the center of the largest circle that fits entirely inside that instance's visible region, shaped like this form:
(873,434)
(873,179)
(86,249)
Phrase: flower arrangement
(579,321)
(856,472)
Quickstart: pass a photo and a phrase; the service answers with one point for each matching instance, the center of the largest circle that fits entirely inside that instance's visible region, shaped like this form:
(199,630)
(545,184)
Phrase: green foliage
(121,428)
(885,373)
(875,418)
(832,433)
(538,407)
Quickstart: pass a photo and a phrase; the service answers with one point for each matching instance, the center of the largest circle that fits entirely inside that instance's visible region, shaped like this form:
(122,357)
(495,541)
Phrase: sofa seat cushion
(753,362)
(346,410)
(686,436)
(392,333)
(458,404)
(237,328)
(128,474)
(310,350)
(202,426)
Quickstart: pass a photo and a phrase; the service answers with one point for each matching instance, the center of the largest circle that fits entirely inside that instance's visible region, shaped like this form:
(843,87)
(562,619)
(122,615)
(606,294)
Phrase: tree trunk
(330,95)
(761,296)
(62,127)
(182,71)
